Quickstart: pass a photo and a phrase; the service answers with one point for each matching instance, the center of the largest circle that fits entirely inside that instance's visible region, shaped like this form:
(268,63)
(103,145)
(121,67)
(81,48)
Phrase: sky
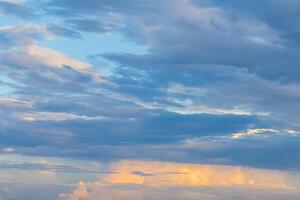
(149,100)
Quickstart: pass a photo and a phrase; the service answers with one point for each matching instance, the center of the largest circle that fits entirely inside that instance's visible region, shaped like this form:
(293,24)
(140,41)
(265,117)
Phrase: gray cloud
(212,69)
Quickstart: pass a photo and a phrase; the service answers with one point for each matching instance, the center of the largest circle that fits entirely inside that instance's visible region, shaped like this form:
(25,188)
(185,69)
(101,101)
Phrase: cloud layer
(155,180)
(191,81)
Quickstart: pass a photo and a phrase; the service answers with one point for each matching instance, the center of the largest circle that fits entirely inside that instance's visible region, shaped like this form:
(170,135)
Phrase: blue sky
(102,99)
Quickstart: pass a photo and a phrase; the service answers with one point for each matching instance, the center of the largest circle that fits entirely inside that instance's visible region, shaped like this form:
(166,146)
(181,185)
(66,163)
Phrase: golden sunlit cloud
(138,178)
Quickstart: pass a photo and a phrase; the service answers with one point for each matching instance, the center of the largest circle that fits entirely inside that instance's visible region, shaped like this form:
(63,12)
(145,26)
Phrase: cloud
(15,103)
(213,72)
(91,25)
(46,56)
(209,109)
(189,181)
(79,193)
(17,8)
(221,35)
(23,55)
(9,150)
(252,132)
(13,1)
(26,37)
(168,174)
(23,35)
(63,31)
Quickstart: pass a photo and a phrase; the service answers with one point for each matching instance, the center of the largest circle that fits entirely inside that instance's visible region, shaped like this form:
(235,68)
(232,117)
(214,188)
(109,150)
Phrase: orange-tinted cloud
(137,180)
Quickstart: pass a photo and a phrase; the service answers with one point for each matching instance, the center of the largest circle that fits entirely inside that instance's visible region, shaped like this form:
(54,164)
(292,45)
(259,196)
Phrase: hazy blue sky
(149,99)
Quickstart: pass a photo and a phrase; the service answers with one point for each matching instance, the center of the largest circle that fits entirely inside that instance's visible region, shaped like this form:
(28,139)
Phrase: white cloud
(292,132)
(252,132)
(54,116)
(177,88)
(9,150)
(197,109)
(262,132)
(80,193)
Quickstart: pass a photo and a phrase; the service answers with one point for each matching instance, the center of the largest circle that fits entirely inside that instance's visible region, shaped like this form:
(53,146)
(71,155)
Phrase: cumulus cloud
(79,193)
